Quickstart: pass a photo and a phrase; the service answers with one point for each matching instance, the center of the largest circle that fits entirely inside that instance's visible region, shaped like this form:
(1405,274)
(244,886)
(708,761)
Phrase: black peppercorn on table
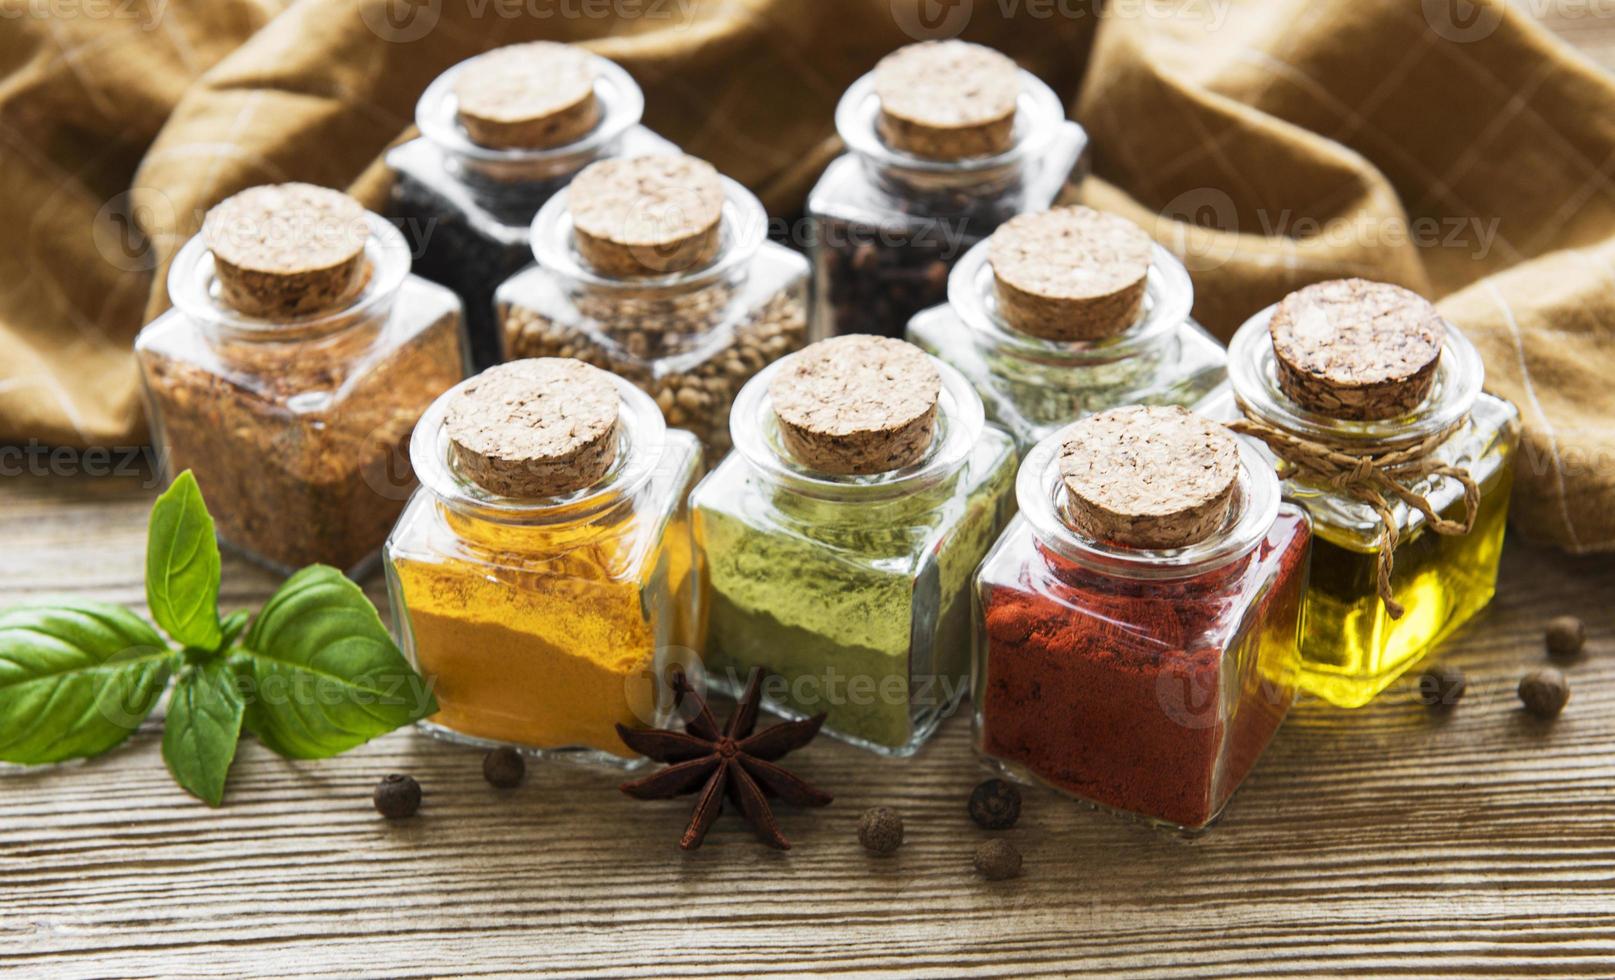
(1470,841)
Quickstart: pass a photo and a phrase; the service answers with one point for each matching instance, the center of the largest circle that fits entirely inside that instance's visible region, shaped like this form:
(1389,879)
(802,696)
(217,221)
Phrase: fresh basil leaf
(232,626)
(182,566)
(76,679)
(203,727)
(319,672)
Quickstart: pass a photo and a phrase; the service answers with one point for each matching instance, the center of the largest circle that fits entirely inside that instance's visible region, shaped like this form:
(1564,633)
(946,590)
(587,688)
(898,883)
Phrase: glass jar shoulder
(1204,610)
(684,319)
(1032,398)
(897,535)
(430,185)
(1485,445)
(405,357)
(621,546)
(852,189)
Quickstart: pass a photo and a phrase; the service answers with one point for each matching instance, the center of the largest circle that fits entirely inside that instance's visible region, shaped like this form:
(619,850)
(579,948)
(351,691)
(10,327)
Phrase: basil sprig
(314,675)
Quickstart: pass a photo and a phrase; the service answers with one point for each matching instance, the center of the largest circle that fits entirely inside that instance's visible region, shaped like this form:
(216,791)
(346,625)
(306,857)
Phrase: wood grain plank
(1381,842)
(1385,841)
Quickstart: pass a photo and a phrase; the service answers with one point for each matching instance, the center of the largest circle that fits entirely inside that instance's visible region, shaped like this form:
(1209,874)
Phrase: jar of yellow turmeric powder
(543,576)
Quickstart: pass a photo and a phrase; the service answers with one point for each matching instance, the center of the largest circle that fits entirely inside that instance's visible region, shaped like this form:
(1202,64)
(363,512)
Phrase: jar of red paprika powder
(1137,624)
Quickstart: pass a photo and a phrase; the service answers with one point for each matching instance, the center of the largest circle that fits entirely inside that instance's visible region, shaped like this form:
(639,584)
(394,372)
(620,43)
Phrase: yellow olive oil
(1351,648)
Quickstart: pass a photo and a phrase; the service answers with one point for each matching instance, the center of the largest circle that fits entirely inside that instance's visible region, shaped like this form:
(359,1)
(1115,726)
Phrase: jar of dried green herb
(840,536)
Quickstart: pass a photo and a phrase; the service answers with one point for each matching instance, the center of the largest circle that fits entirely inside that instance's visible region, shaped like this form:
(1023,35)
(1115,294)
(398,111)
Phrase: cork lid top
(540,427)
(1072,273)
(947,99)
(528,96)
(857,404)
(287,249)
(1357,350)
(647,215)
(1159,477)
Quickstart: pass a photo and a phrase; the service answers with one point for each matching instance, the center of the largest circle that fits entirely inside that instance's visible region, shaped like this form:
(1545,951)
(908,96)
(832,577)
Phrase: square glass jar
(1033,387)
(1143,682)
(298,430)
(1352,648)
(689,339)
(544,623)
(466,208)
(852,591)
(885,226)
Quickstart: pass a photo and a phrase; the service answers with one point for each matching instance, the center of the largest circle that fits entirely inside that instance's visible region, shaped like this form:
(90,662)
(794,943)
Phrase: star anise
(732,761)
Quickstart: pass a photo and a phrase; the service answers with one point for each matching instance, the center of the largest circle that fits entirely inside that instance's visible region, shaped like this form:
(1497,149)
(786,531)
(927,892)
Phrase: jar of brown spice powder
(291,371)
(658,269)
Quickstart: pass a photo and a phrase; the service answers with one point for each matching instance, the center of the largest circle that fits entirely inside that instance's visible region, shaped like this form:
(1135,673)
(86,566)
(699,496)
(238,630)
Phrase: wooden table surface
(1382,841)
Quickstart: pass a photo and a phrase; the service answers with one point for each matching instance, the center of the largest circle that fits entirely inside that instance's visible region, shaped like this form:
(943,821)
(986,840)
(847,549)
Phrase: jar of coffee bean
(500,134)
(658,269)
(946,140)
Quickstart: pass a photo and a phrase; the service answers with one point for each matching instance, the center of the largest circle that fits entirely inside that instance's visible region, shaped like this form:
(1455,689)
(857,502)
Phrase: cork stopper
(540,427)
(287,250)
(528,96)
(857,404)
(649,215)
(1148,477)
(1357,350)
(1072,273)
(947,100)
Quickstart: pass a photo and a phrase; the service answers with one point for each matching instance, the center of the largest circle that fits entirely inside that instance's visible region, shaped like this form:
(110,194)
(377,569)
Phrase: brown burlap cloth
(1449,146)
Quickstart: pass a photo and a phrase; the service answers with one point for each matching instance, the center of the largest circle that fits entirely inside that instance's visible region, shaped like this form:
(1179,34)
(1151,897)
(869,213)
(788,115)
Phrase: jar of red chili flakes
(1137,623)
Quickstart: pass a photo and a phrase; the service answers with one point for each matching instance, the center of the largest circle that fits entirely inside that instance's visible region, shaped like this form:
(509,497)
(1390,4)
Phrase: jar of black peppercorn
(291,371)
(500,134)
(1064,313)
(946,140)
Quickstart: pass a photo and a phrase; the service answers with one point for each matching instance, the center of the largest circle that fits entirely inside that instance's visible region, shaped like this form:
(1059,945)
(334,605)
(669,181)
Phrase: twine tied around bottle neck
(1374,477)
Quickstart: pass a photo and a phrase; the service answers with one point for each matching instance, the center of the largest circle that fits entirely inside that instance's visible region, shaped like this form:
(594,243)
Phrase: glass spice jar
(659,270)
(946,140)
(544,574)
(840,536)
(1064,313)
(501,133)
(1371,373)
(291,370)
(1136,625)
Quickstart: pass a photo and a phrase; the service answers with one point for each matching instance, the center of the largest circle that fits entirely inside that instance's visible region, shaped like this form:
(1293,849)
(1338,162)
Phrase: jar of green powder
(841,534)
